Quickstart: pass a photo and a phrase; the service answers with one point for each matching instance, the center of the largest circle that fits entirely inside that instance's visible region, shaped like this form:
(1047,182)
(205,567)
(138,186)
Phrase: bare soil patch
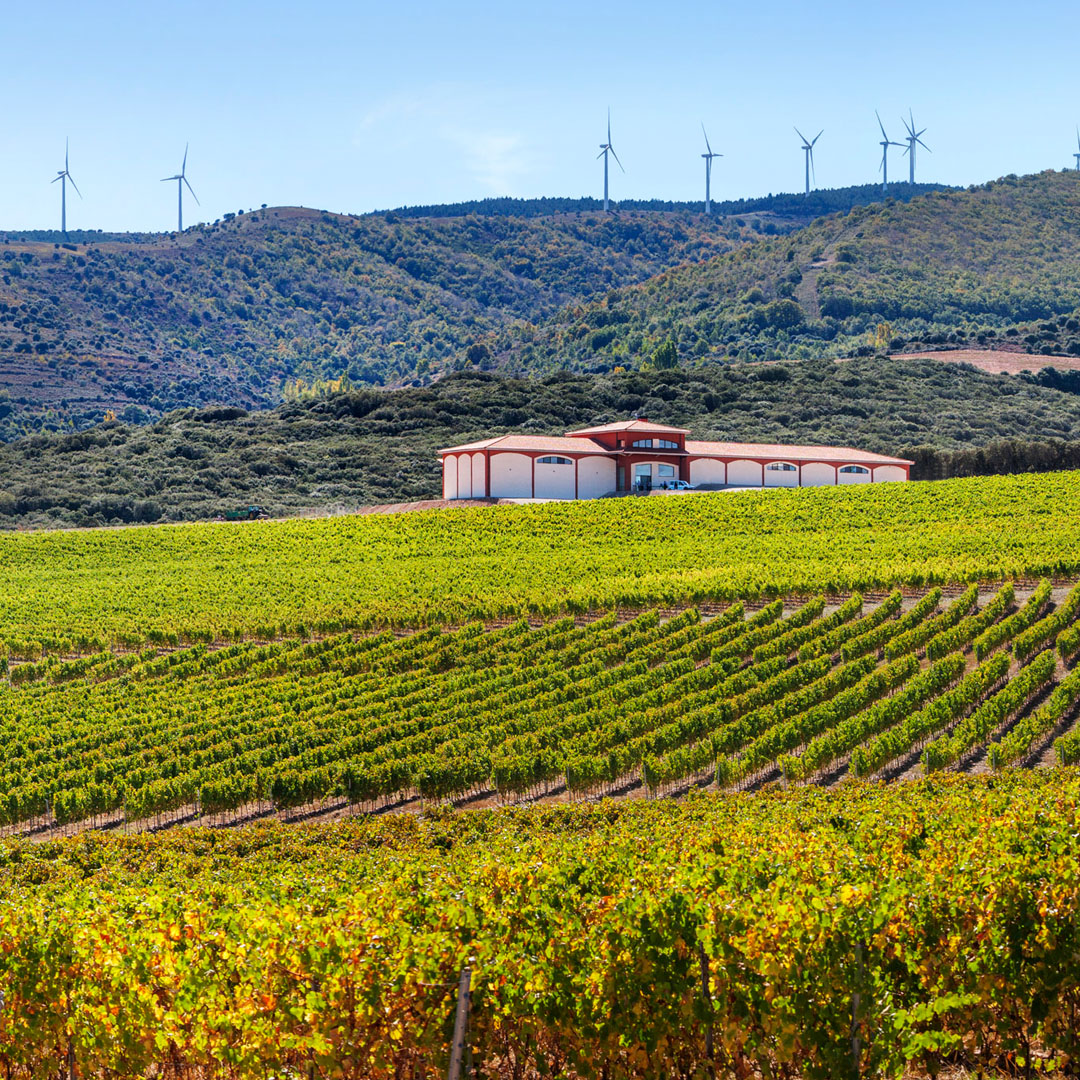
(997,362)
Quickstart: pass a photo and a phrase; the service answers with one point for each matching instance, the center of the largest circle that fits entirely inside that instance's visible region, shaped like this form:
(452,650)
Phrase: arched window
(667,444)
(645,444)
(780,466)
(854,469)
(554,461)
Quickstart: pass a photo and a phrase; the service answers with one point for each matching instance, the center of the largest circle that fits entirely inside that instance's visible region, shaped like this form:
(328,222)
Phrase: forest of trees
(232,312)
(993,266)
(796,206)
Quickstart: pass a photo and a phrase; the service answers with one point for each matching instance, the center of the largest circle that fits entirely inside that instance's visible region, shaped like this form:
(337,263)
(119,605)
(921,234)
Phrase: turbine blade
(192,190)
(74,185)
(183,167)
(67,142)
(616,157)
(818,136)
(881,125)
(923,145)
(55,178)
(1078,137)
(166,179)
(601,154)
(609,123)
(881,167)
(910,130)
(705,133)
(801,135)
(813,171)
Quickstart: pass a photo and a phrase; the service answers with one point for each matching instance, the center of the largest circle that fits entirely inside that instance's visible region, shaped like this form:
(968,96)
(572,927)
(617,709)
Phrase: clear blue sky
(359,106)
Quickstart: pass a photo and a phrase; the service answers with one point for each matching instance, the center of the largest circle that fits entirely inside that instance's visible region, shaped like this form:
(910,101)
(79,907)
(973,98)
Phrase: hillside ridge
(998,263)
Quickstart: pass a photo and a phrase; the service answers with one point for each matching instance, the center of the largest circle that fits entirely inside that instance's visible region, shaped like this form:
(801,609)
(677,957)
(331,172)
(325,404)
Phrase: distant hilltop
(817,203)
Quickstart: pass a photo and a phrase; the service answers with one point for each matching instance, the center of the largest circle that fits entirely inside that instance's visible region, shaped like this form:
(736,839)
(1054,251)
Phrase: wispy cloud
(495,156)
(496,159)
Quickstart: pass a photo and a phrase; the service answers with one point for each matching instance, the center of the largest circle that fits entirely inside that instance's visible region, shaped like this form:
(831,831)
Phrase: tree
(666,355)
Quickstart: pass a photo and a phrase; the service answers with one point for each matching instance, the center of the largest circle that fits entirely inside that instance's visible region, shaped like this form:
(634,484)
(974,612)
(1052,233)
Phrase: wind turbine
(808,150)
(605,149)
(708,156)
(913,137)
(1077,155)
(181,179)
(63,175)
(886,142)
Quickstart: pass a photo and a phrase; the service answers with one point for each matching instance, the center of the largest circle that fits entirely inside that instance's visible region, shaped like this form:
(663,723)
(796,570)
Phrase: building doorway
(643,478)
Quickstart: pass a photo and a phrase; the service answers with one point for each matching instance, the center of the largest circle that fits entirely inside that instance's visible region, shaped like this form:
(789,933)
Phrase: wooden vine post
(461,1026)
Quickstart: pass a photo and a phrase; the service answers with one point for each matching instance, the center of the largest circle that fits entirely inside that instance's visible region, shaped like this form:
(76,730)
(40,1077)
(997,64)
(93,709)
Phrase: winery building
(639,456)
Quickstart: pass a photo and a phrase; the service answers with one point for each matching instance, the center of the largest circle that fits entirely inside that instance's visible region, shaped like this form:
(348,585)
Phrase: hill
(350,449)
(997,264)
(233,312)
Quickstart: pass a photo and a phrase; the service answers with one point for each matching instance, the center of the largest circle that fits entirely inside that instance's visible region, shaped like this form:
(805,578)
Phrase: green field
(265,578)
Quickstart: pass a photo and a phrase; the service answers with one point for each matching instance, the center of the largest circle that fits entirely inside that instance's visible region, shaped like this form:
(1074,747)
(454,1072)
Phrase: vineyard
(69,592)
(650,705)
(865,931)
(675,725)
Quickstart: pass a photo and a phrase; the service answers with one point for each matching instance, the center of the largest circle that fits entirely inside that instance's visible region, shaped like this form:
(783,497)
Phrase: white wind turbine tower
(605,149)
(63,175)
(708,156)
(913,137)
(181,179)
(1077,154)
(886,142)
(808,151)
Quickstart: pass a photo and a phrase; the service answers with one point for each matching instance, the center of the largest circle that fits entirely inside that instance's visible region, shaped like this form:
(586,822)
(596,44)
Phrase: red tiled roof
(530,442)
(628,425)
(781,451)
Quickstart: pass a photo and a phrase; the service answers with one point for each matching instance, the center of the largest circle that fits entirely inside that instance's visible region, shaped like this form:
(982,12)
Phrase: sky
(359,106)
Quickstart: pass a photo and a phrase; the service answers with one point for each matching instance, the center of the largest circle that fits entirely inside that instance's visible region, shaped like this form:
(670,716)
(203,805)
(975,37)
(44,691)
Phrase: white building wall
(818,474)
(855,477)
(511,475)
(478,485)
(464,477)
(596,477)
(889,472)
(449,482)
(555,481)
(778,478)
(707,471)
(744,473)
